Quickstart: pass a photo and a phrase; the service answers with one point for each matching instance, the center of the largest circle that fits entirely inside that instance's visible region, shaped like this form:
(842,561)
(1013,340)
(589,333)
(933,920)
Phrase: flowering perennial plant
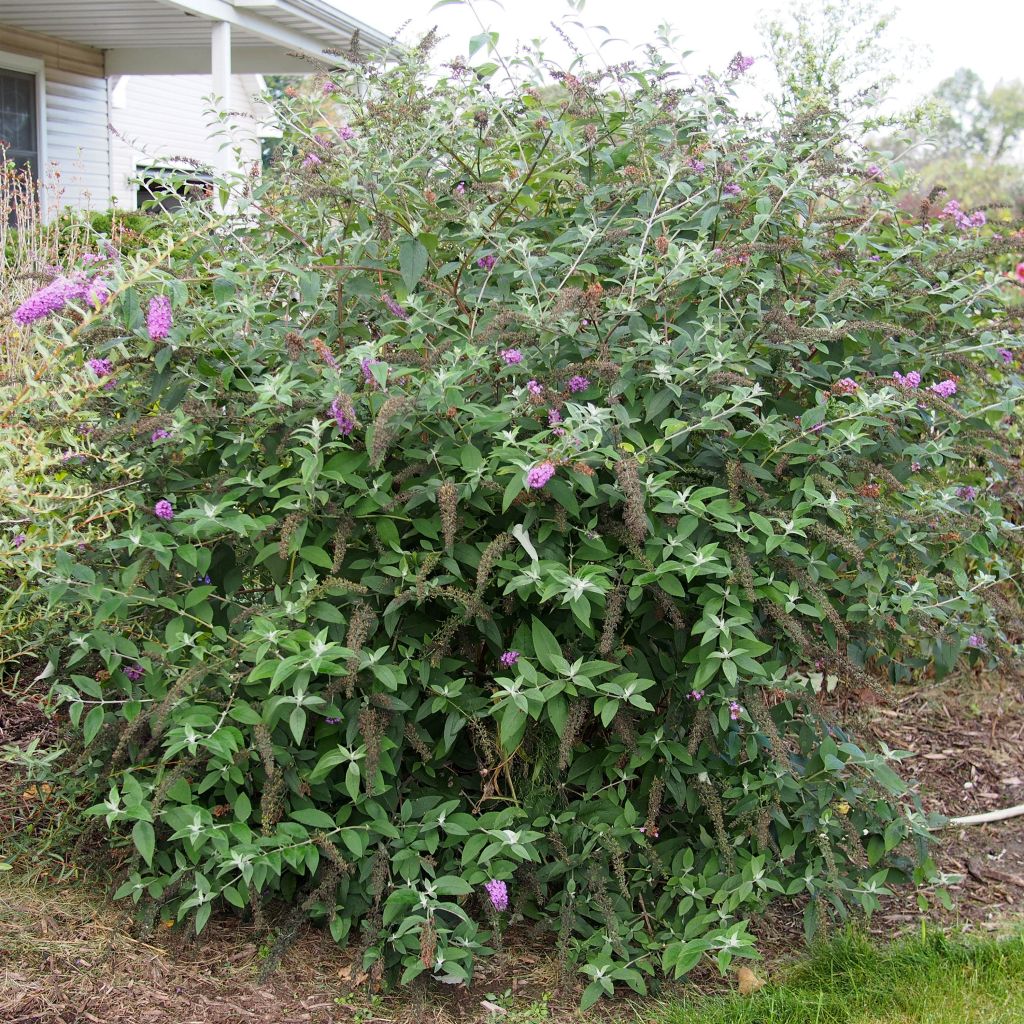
(406,642)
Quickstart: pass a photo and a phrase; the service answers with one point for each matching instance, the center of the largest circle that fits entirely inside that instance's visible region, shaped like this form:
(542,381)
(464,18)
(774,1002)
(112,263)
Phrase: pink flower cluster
(509,658)
(511,356)
(944,389)
(846,386)
(58,293)
(961,218)
(908,383)
(539,475)
(159,318)
(497,891)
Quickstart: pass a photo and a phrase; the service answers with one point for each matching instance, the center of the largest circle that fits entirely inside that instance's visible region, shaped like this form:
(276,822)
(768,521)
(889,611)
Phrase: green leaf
(313,817)
(93,724)
(144,838)
(412,261)
(545,646)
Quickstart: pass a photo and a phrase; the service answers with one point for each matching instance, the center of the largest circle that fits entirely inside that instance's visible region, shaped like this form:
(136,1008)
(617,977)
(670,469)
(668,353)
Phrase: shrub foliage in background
(470,547)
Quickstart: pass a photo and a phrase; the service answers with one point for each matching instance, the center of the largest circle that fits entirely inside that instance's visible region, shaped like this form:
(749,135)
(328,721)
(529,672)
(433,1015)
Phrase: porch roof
(141,37)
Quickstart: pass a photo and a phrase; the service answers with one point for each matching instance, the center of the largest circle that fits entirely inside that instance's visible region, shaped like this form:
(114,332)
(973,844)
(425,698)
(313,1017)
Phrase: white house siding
(76,141)
(160,119)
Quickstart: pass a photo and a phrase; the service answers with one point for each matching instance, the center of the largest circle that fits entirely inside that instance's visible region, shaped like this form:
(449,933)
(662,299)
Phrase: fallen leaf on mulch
(749,981)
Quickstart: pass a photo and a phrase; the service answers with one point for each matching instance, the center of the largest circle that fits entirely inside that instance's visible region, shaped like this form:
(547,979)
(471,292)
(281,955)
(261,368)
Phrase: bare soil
(68,954)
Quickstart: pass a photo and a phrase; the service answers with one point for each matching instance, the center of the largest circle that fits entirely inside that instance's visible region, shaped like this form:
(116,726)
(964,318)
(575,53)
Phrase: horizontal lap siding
(77,146)
(167,116)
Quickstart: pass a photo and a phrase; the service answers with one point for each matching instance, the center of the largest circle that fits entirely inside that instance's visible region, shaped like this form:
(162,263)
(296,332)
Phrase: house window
(19,119)
(167,189)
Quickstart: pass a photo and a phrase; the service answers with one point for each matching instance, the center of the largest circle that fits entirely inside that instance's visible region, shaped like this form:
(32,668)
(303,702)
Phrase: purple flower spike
(846,386)
(875,172)
(134,672)
(163,509)
(732,189)
(487,262)
(511,356)
(908,383)
(158,319)
(43,302)
(578,383)
(967,493)
(18,539)
(734,710)
(101,367)
(497,890)
(539,475)
(509,658)
(944,389)
(1006,355)
(533,387)
(159,435)
(975,641)
(739,65)
(396,309)
(341,410)
(345,133)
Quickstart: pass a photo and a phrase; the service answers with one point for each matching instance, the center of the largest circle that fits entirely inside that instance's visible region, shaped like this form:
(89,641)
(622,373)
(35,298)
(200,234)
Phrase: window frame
(35,66)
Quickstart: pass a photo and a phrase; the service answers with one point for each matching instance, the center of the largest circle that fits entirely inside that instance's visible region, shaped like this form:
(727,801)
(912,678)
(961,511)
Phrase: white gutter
(317,13)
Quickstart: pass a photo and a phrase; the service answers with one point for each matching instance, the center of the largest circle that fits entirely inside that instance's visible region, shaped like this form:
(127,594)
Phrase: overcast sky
(939,36)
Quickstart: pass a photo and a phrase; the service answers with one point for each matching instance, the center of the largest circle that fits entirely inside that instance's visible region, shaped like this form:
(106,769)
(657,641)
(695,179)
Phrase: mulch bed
(69,955)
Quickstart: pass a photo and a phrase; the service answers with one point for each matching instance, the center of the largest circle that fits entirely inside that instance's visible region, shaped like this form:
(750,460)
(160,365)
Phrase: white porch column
(220,64)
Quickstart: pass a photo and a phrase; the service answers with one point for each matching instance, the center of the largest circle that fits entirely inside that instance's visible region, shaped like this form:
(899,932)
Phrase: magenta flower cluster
(846,386)
(944,389)
(875,172)
(345,133)
(159,435)
(396,308)
(497,891)
(534,388)
(342,417)
(961,218)
(734,710)
(909,382)
(158,317)
(509,658)
(101,367)
(487,262)
(732,189)
(539,475)
(967,493)
(578,383)
(511,356)
(57,294)
(163,509)
(134,672)
(975,641)
(740,65)
(367,366)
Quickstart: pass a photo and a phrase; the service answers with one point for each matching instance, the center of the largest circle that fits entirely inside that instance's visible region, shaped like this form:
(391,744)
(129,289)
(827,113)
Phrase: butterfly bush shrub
(487,495)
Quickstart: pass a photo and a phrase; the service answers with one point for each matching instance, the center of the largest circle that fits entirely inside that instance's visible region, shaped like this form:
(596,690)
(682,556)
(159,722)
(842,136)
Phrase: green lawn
(851,981)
